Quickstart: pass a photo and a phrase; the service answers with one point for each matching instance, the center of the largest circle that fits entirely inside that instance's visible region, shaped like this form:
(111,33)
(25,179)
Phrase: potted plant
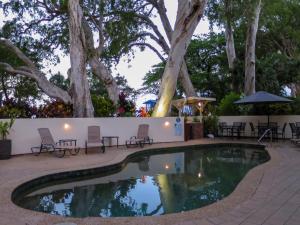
(210,125)
(5,144)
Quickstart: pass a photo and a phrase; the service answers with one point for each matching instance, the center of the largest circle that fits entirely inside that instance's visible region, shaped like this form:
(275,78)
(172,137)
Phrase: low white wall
(263,119)
(24,133)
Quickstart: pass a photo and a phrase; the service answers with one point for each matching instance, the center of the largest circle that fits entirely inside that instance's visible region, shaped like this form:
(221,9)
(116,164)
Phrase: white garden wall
(263,119)
(24,133)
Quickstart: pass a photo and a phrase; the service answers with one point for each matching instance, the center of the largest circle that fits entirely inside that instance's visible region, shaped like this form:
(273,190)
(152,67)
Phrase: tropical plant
(126,107)
(103,107)
(5,127)
(55,109)
(227,106)
(210,123)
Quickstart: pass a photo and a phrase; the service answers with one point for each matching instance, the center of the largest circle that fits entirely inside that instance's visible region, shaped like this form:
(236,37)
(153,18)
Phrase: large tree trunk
(185,80)
(82,104)
(230,47)
(105,76)
(295,89)
(250,50)
(184,77)
(98,68)
(231,56)
(189,14)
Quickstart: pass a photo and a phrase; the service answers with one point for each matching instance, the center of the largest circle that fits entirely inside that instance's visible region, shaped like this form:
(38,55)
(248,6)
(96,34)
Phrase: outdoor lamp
(167,123)
(67,126)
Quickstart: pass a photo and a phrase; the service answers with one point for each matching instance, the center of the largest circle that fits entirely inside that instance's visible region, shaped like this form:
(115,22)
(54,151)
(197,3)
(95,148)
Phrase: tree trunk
(231,56)
(98,68)
(185,80)
(82,104)
(108,80)
(184,77)
(295,89)
(189,14)
(250,50)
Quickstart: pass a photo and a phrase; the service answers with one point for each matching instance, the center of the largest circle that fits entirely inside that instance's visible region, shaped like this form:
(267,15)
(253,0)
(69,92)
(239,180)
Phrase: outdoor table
(110,140)
(67,142)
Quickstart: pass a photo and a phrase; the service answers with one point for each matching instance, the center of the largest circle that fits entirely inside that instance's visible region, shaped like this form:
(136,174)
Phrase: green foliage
(60,81)
(5,127)
(295,106)
(126,107)
(152,79)
(11,108)
(55,109)
(210,124)
(207,65)
(103,106)
(227,106)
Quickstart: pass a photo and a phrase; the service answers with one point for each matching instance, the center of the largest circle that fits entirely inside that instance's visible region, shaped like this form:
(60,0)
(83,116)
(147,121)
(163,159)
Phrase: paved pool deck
(269,194)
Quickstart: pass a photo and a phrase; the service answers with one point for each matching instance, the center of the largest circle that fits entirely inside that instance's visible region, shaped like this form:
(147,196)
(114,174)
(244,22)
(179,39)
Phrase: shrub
(227,106)
(55,109)
(210,124)
(295,106)
(126,107)
(17,109)
(103,107)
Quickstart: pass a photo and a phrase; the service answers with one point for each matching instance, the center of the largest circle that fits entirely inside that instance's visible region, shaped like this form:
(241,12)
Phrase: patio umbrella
(262,97)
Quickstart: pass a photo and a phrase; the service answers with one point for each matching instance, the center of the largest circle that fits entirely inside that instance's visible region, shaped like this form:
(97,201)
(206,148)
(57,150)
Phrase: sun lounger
(59,148)
(142,137)
(94,139)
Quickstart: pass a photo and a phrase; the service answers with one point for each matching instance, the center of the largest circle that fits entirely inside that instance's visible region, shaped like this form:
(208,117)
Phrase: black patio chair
(243,128)
(282,132)
(293,129)
(236,129)
(253,132)
(222,126)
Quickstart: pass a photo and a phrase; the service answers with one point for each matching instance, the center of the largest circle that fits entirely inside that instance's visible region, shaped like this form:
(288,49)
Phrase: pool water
(150,184)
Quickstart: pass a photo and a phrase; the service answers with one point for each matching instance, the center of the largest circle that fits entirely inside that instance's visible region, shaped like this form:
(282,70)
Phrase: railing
(264,134)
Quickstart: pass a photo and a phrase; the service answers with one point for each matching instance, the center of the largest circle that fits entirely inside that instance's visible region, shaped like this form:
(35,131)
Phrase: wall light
(67,126)
(167,123)
(199,175)
(199,104)
(167,167)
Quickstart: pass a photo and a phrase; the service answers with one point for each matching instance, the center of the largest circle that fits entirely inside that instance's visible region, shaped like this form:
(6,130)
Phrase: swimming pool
(149,183)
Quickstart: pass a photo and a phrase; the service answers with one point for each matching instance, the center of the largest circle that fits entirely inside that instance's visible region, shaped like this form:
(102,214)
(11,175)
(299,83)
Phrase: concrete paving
(269,193)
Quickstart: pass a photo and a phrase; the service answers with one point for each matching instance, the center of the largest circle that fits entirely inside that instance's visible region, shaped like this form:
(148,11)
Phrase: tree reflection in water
(146,186)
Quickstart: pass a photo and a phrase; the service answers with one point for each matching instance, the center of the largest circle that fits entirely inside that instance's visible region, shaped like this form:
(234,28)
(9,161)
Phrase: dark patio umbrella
(262,97)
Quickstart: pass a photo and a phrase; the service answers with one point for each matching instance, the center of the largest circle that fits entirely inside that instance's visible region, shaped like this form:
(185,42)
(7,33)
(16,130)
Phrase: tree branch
(31,71)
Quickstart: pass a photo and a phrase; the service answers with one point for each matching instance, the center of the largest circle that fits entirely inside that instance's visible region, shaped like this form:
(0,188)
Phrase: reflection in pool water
(151,185)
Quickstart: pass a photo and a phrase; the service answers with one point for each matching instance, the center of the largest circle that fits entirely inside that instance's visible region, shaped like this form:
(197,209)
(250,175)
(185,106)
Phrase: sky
(141,63)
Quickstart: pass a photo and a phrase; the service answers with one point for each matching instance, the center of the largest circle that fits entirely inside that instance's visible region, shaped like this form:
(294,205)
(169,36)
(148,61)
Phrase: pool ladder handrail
(264,134)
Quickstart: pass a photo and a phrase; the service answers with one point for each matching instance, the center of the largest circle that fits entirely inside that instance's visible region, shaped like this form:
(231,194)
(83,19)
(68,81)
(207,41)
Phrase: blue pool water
(149,184)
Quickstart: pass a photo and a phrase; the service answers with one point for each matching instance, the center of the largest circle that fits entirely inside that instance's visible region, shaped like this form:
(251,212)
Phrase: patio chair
(243,128)
(222,126)
(282,132)
(142,137)
(236,129)
(253,132)
(293,129)
(94,139)
(59,148)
